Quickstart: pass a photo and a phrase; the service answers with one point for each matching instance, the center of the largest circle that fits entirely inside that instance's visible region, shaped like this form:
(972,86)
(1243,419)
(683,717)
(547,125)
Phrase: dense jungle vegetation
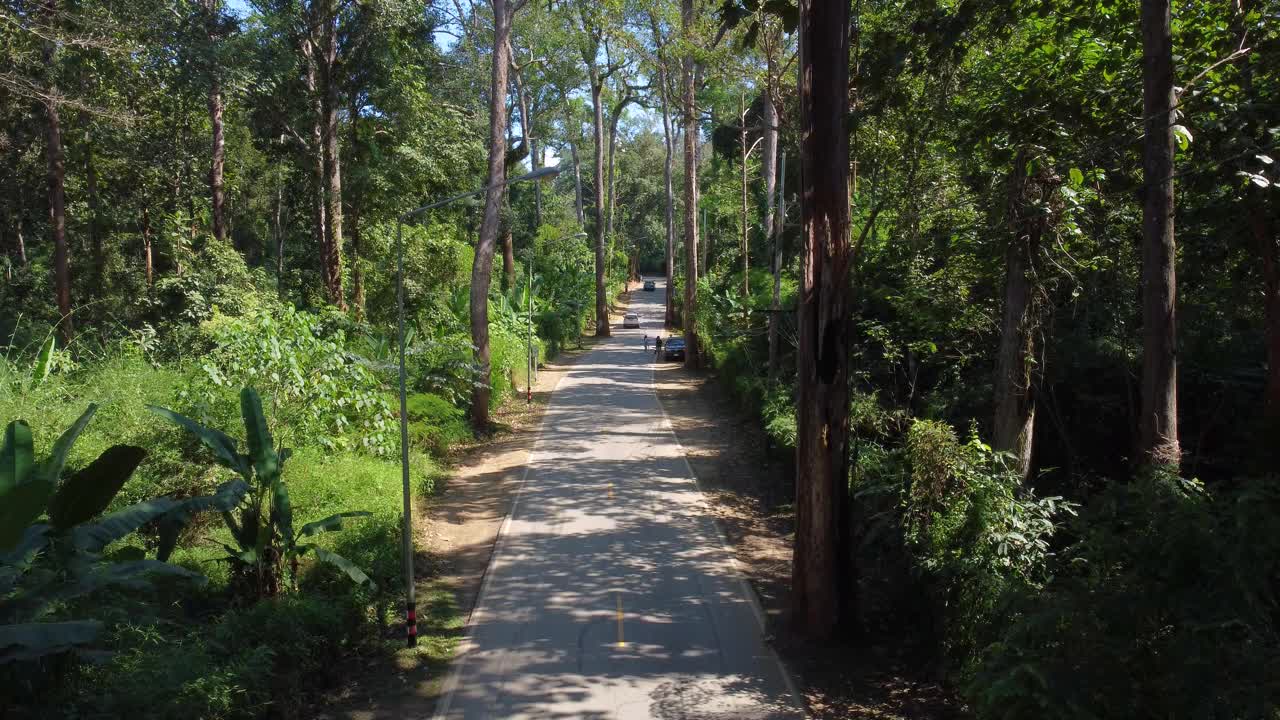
(1003,276)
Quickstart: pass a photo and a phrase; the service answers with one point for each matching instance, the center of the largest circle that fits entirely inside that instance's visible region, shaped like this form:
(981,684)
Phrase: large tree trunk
(692,357)
(822,579)
(332,162)
(1014,393)
(318,235)
(597,127)
(1158,433)
(57,170)
(482,268)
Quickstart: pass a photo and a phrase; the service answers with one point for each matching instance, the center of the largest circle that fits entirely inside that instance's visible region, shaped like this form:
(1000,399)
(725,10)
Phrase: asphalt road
(610,593)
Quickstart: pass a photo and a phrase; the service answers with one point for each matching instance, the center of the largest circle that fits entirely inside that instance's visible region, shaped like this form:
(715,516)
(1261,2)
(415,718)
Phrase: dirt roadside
(749,490)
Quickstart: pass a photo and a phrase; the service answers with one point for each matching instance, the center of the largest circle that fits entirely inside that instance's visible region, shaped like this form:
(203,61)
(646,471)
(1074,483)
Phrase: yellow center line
(621,643)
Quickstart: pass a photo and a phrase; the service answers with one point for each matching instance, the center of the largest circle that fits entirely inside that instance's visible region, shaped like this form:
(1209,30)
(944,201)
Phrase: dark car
(674,349)
(649,286)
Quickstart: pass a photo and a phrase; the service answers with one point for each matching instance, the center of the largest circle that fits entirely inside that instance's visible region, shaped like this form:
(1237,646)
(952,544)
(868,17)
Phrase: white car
(631,320)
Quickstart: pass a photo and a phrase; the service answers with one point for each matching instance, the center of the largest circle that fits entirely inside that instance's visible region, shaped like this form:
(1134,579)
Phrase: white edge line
(736,567)
(464,649)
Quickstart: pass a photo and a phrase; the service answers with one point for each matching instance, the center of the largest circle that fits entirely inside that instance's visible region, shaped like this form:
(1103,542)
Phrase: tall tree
(690,110)
(57,172)
(821,576)
(668,140)
(482,267)
(1029,211)
(330,104)
(594,41)
(1158,424)
(214,24)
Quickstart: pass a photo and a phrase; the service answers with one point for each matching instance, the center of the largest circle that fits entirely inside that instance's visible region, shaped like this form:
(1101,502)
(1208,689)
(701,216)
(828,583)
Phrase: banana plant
(261,526)
(46,564)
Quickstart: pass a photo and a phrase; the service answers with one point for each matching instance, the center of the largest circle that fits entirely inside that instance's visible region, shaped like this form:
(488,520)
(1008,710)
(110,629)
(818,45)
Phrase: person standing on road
(646,342)
(657,348)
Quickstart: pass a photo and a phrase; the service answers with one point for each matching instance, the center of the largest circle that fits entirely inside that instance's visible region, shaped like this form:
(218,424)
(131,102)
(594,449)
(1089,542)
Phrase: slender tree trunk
(95,227)
(218,152)
(482,268)
(18,199)
(1158,434)
(526,130)
(332,162)
(746,256)
(613,142)
(57,170)
(508,250)
(319,236)
(577,183)
(20,239)
(775,308)
(1014,391)
(278,226)
(148,266)
(597,126)
(822,573)
(692,356)
(668,191)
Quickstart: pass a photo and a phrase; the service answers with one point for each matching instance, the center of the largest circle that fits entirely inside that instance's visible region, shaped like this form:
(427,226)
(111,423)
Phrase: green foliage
(973,530)
(1164,606)
(435,423)
(321,392)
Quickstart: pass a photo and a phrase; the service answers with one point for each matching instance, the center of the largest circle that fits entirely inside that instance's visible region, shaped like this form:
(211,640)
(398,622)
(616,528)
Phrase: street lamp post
(411,615)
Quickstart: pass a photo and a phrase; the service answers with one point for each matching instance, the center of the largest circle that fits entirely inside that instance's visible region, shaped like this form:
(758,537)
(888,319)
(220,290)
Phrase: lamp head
(546,173)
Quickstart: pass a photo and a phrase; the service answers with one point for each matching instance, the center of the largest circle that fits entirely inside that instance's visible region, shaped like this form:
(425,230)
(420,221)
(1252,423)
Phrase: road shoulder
(750,490)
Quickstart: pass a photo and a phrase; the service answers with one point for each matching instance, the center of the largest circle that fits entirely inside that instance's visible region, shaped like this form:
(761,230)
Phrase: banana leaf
(51,469)
(331,523)
(228,495)
(91,490)
(222,445)
(261,450)
(28,641)
(93,537)
(17,457)
(356,574)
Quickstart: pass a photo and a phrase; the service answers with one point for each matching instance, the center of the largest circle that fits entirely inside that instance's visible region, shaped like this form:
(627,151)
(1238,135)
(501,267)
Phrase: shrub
(321,392)
(973,530)
(1165,607)
(435,423)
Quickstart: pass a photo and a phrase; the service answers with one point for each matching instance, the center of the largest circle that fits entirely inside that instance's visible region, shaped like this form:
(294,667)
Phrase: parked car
(673,349)
(650,286)
(631,320)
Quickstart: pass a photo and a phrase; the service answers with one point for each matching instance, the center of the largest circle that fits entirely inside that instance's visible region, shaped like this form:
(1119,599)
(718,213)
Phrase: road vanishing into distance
(610,593)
